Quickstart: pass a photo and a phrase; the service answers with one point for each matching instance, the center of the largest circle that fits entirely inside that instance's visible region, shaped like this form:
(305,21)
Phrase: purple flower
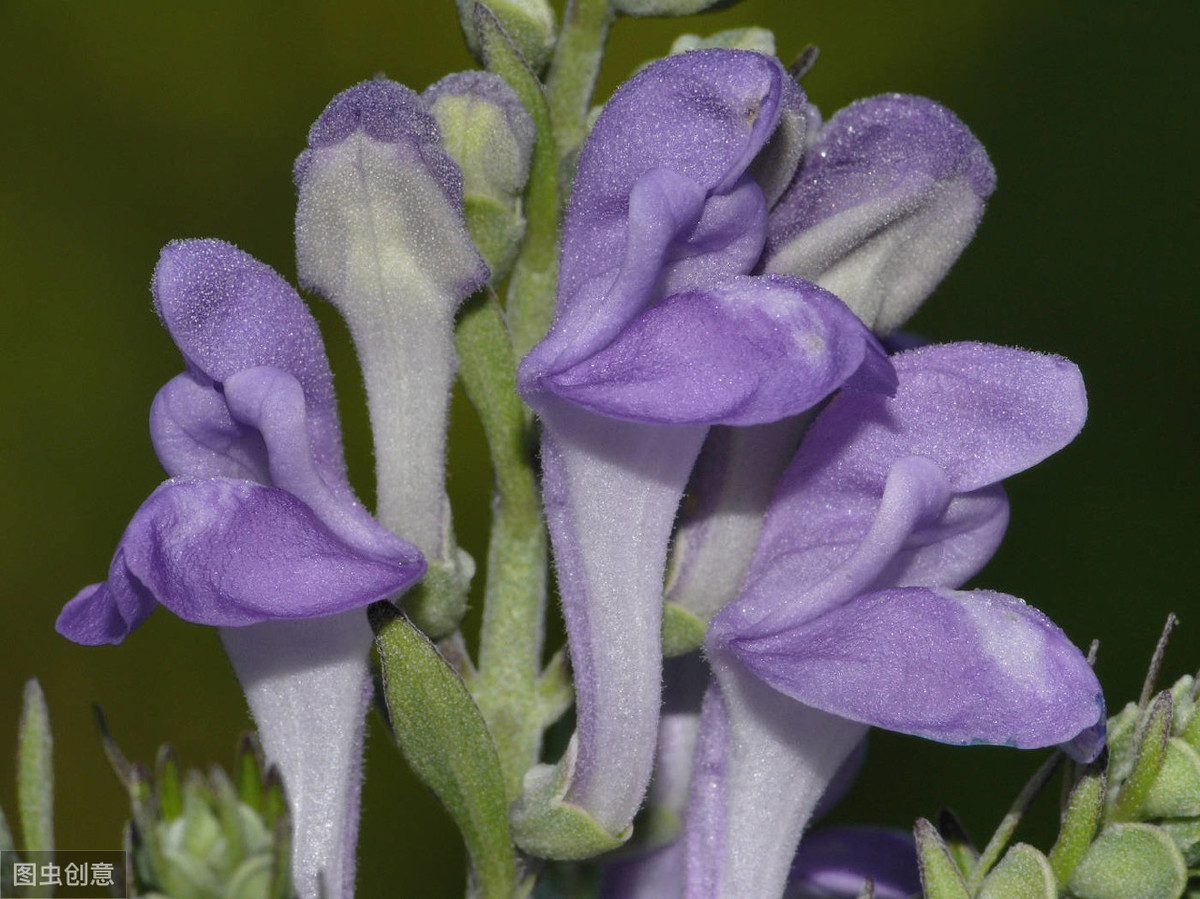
(259,533)
(660,333)
(833,863)
(849,616)
(888,194)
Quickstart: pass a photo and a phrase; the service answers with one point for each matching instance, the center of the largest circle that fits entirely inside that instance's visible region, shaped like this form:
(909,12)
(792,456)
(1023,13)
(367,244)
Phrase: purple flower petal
(195,436)
(661,202)
(978,667)
(888,195)
(702,115)
(976,413)
(835,861)
(747,351)
(227,552)
(226,311)
(610,490)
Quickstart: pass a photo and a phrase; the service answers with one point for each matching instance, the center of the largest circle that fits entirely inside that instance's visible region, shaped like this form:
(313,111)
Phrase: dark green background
(128,124)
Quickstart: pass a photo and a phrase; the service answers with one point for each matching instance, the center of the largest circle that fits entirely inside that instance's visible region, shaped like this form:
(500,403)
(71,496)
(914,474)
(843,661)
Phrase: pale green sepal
(252,879)
(1079,822)
(1184,703)
(170,786)
(1121,730)
(668,7)
(868,890)
(1150,747)
(957,842)
(555,691)
(530,301)
(940,877)
(548,827)
(438,602)
(496,228)
(1130,861)
(185,876)
(682,631)
(529,24)
(35,771)
(1023,873)
(1175,792)
(445,739)
(760,40)
(1186,835)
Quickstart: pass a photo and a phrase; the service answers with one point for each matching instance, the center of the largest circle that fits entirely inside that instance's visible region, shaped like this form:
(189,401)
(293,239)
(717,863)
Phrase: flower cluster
(729,264)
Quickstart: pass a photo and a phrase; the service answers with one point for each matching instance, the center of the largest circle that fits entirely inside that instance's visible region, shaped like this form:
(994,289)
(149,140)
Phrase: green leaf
(1175,792)
(1150,749)
(682,631)
(251,880)
(6,840)
(167,783)
(1079,823)
(248,770)
(940,876)
(35,771)
(1183,700)
(444,737)
(1130,861)
(957,842)
(1023,873)
(1186,835)
(546,826)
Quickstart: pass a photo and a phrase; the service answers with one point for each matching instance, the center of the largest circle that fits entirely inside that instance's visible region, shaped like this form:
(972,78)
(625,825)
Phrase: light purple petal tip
(388,112)
(747,351)
(977,667)
(227,552)
(835,861)
(888,195)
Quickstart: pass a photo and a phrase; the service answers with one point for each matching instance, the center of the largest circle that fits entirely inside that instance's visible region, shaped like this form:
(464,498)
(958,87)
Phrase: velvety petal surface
(380,233)
(195,436)
(702,115)
(835,861)
(888,195)
(226,311)
(746,351)
(228,552)
(975,667)
(976,413)
(660,202)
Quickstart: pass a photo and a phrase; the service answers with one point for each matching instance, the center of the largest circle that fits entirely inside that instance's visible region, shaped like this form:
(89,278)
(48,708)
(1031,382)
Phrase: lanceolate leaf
(444,737)
(35,771)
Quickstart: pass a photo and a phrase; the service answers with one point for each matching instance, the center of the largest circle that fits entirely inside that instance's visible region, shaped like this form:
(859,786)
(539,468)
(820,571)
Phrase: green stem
(573,71)
(506,685)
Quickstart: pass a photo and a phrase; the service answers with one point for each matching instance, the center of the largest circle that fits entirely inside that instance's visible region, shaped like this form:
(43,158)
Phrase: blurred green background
(128,124)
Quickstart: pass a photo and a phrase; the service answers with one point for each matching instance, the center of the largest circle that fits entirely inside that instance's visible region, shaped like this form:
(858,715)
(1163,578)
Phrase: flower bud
(487,131)
(528,23)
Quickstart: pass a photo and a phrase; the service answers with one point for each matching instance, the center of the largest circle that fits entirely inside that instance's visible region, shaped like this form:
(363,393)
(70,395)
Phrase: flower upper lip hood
(258,521)
(662,207)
